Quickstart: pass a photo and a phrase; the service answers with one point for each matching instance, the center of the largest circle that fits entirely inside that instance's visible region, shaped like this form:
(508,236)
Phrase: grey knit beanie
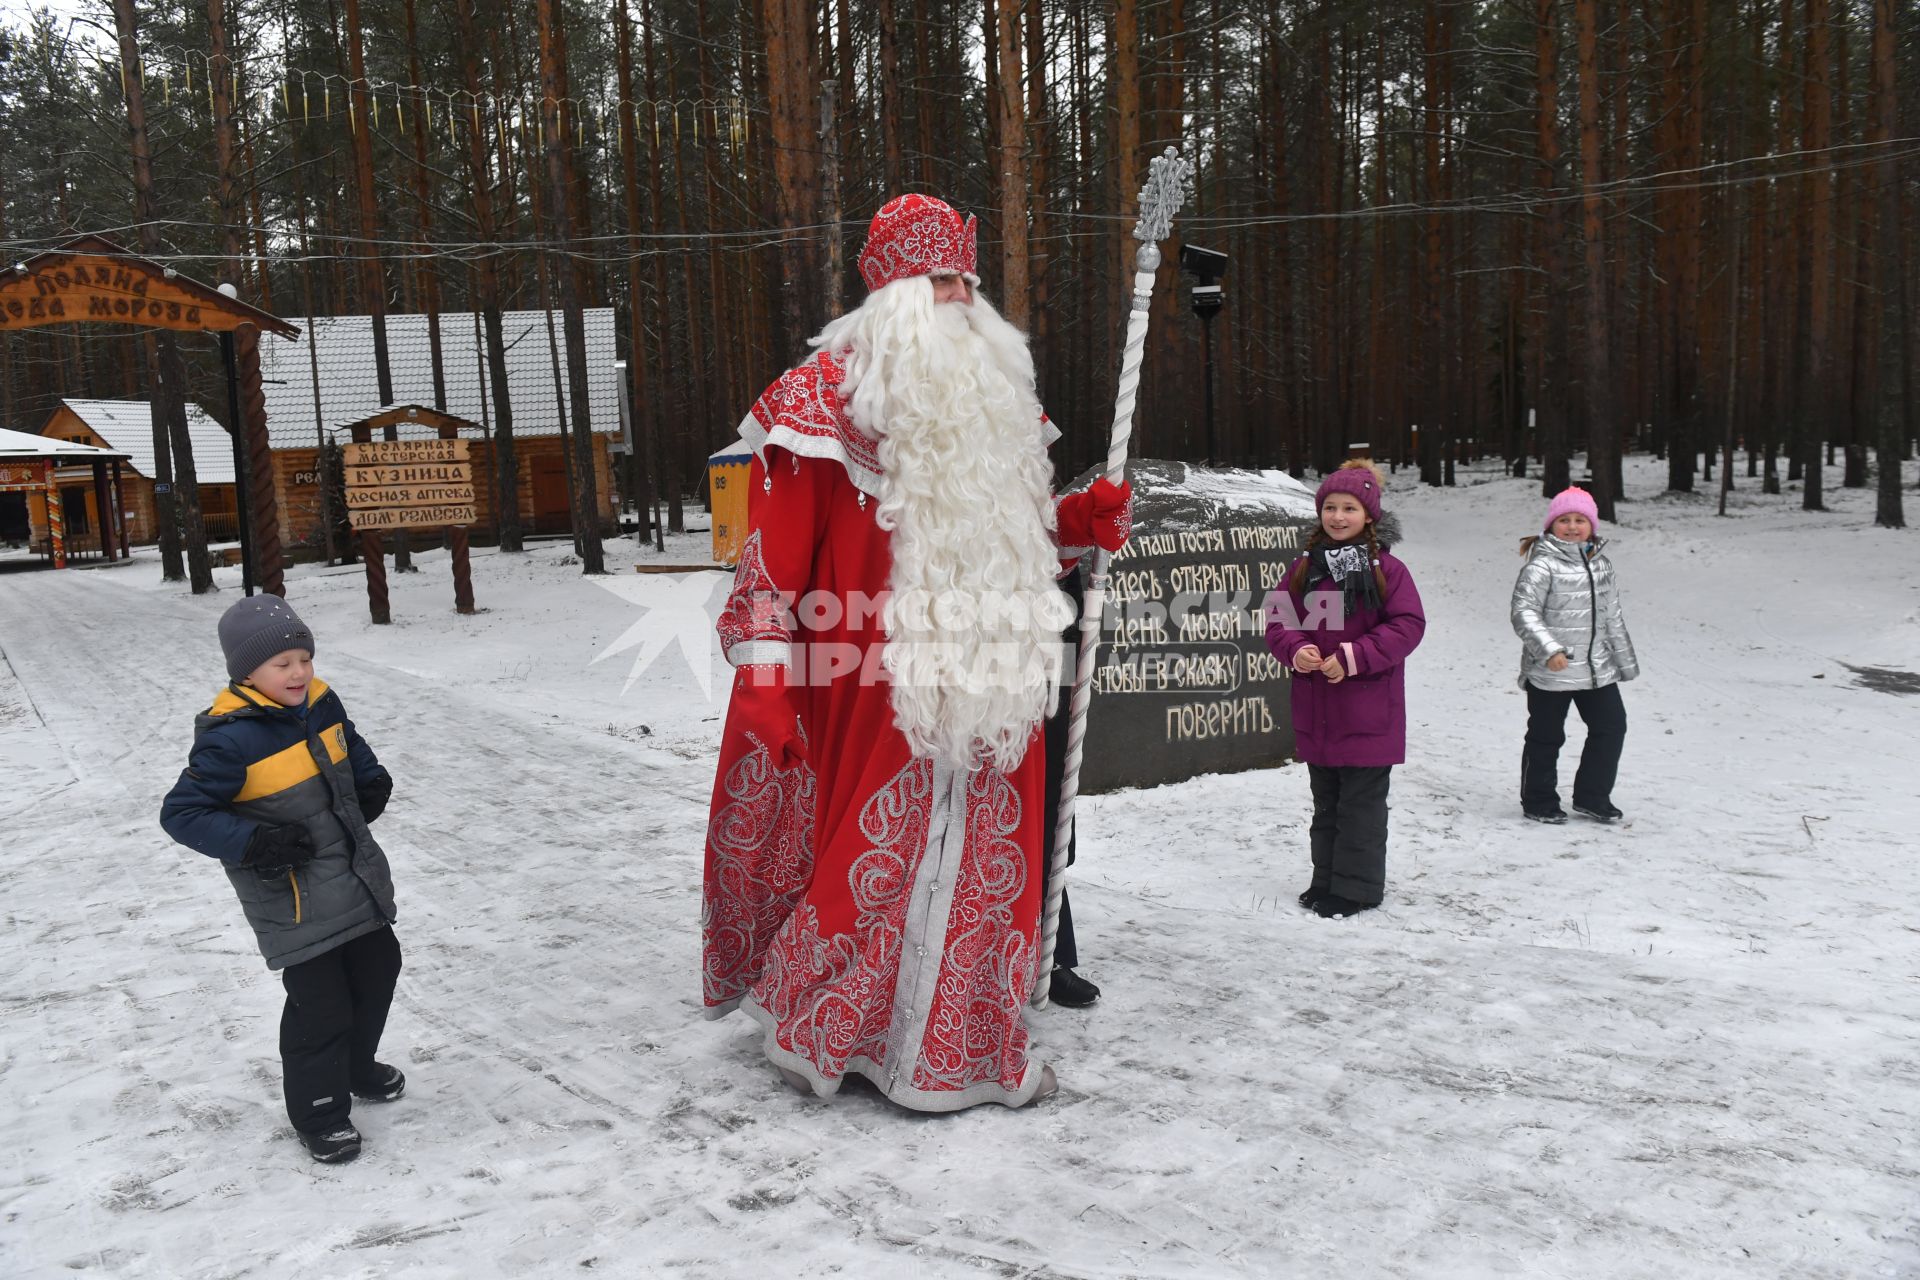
(256,628)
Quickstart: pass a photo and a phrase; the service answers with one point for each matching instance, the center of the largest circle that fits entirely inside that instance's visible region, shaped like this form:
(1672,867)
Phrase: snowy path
(1686,1047)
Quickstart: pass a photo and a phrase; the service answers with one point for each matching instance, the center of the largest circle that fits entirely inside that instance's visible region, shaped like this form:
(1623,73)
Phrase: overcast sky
(14,14)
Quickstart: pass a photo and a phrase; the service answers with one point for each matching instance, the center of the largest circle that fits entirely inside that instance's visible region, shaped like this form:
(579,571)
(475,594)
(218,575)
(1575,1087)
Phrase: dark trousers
(1066,955)
(1606,719)
(1349,832)
(336,1009)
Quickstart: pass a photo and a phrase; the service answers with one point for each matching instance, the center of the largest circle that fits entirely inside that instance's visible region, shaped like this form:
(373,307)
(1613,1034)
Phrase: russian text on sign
(368,498)
(414,473)
(403,452)
(412,517)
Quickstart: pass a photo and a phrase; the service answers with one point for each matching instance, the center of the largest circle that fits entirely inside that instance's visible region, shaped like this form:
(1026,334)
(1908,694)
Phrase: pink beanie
(1572,500)
(1360,480)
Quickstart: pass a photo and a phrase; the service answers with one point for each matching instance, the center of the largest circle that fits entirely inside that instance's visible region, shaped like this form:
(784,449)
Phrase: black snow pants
(336,1009)
(1349,830)
(1066,955)
(1606,719)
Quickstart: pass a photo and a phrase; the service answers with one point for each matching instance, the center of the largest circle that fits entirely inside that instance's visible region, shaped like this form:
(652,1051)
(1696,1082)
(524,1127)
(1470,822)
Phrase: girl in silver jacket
(1575,652)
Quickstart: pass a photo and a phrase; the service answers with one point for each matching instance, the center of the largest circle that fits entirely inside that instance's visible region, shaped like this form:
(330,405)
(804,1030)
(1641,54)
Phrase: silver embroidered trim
(923,932)
(761,653)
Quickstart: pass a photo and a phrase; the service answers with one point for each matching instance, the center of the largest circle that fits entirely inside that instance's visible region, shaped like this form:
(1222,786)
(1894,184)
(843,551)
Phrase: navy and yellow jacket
(256,763)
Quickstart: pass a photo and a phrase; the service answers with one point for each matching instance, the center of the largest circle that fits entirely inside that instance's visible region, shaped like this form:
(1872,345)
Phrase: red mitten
(764,707)
(1101,515)
(1112,513)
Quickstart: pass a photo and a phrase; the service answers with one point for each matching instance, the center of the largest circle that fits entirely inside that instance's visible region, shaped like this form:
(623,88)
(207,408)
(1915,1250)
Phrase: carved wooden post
(105,510)
(263,502)
(373,554)
(120,513)
(462,567)
(56,519)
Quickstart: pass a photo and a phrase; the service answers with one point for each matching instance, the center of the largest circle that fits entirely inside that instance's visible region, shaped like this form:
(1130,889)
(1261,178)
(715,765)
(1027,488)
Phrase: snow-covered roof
(350,390)
(17,445)
(127,425)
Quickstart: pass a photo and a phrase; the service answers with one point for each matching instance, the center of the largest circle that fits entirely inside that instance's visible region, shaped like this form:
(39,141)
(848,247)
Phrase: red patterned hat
(916,236)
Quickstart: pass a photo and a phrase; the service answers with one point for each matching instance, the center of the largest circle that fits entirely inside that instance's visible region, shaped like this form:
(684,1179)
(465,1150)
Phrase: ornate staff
(1169,183)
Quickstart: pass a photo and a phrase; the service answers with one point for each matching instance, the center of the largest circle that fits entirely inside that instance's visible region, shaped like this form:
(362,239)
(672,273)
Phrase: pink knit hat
(1573,500)
(1360,480)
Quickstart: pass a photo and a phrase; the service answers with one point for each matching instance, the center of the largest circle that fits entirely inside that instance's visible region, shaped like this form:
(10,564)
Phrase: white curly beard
(973,615)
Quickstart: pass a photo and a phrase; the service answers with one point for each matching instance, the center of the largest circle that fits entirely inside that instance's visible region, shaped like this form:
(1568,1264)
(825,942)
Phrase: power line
(583,248)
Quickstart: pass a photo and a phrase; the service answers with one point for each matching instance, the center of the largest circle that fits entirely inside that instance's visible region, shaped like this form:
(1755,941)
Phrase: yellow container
(727,473)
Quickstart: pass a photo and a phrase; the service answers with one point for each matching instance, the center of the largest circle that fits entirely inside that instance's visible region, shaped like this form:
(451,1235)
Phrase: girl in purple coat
(1344,619)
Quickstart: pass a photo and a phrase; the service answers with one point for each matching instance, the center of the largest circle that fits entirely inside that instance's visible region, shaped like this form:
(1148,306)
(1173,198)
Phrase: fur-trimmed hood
(1387,531)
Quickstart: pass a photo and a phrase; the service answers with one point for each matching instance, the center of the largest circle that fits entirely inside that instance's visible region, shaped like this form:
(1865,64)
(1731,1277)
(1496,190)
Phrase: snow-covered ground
(1682,1047)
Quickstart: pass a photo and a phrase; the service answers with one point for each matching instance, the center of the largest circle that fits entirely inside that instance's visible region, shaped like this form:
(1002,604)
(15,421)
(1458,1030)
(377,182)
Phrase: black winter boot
(1071,991)
(1601,812)
(1311,895)
(337,1147)
(1335,907)
(386,1084)
(1552,817)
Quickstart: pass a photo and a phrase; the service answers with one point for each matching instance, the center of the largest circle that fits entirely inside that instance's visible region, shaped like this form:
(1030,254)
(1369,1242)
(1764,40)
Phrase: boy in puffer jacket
(280,789)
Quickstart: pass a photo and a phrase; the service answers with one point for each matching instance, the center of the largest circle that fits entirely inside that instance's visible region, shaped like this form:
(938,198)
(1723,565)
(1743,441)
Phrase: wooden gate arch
(92,280)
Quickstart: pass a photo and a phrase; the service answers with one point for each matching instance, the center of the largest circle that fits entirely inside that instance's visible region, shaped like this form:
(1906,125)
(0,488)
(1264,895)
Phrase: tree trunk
(1039,255)
(994,171)
(721,388)
(1432,371)
(791,84)
(165,506)
(672,444)
(891,106)
(1291,427)
(1378,399)
(833,261)
(923,111)
(1684,402)
(169,371)
(1783,264)
(1012,164)
(1602,429)
(1816,264)
(263,280)
(556,115)
(424,262)
(372,283)
(1882,252)
(220,86)
(1123,78)
(639,350)
(373,286)
(486,273)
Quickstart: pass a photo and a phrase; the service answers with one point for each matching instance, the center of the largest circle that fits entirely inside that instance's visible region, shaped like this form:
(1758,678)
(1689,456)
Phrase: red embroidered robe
(874,912)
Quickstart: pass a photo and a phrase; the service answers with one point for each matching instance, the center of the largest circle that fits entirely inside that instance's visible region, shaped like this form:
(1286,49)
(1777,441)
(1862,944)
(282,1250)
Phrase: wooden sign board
(18,476)
(1183,683)
(400,453)
(78,287)
(410,484)
(371,497)
(414,517)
